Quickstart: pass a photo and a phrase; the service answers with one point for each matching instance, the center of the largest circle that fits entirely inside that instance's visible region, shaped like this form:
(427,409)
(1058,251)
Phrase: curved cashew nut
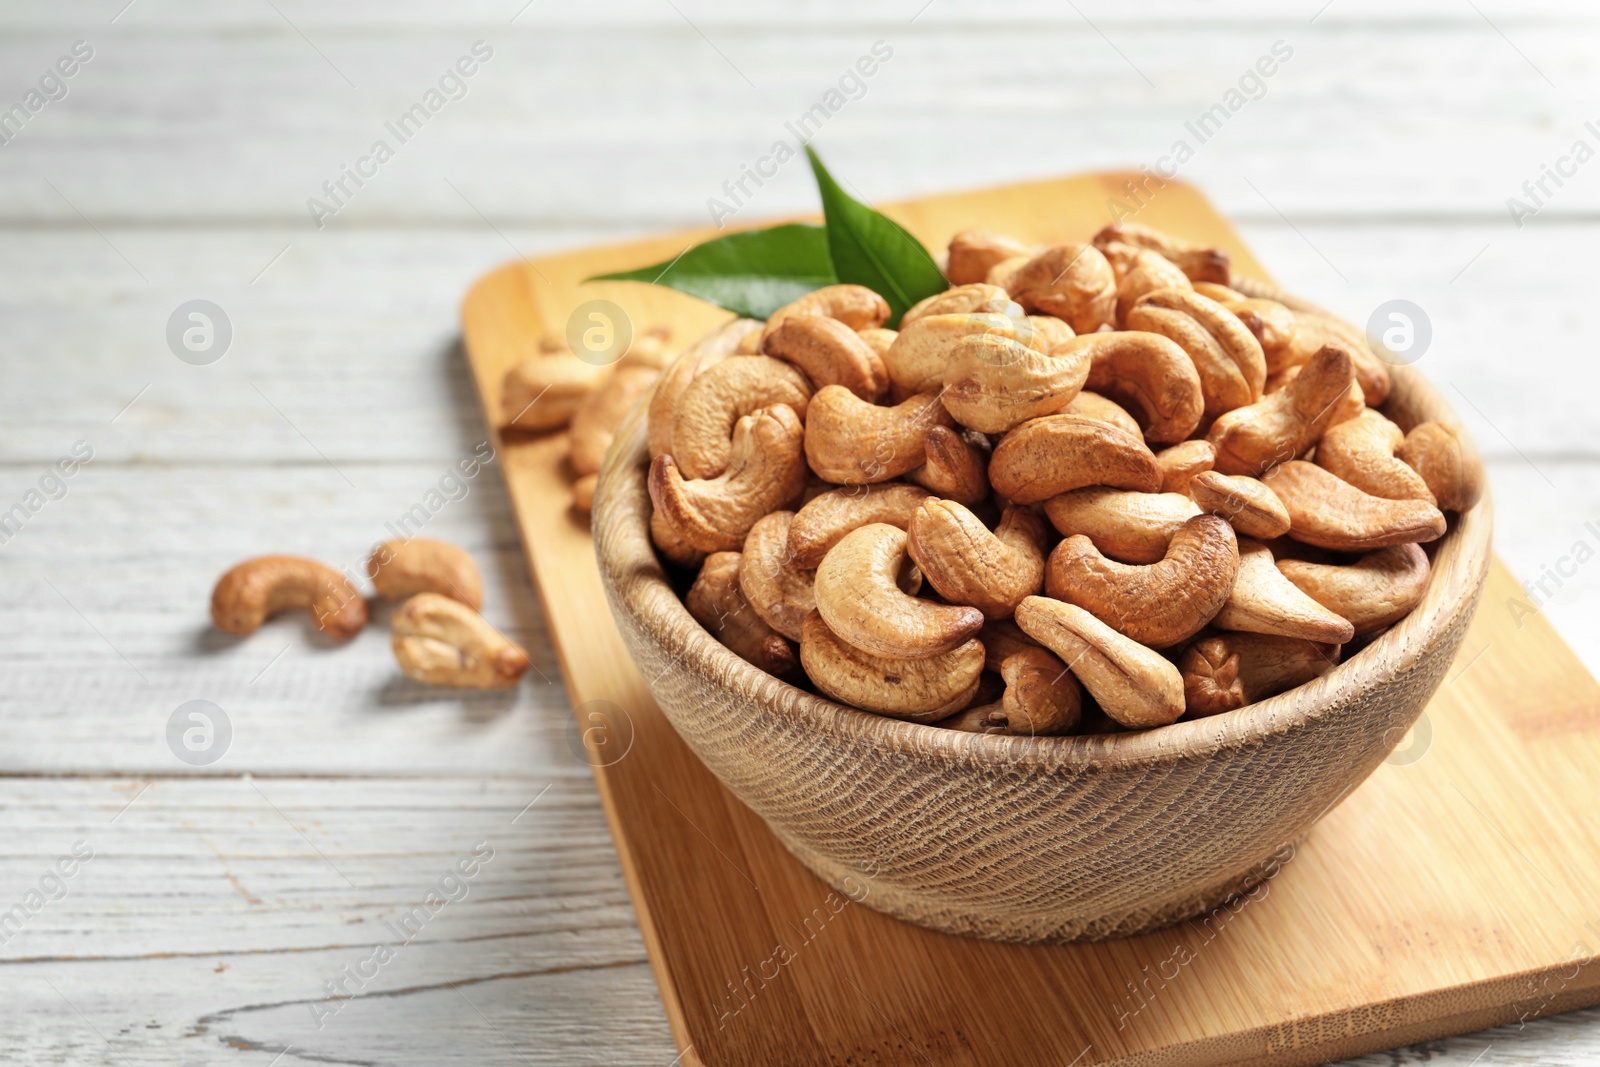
(1378,589)
(544,392)
(1131,527)
(711,349)
(1447,462)
(716,602)
(956,467)
(405,567)
(1230,670)
(1199,263)
(766,472)
(1159,604)
(1151,372)
(1329,512)
(1269,322)
(1283,425)
(1313,331)
(827,517)
(921,350)
(976,298)
(1073,282)
(1252,508)
(1051,455)
(851,442)
(595,423)
(1042,698)
(854,305)
(1146,272)
(257,589)
(1263,601)
(967,564)
(1232,368)
(992,383)
(1361,451)
(671,545)
(1182,461)
(921,690)
(779,591)
(1094,406)
(439,641)
(830,353)
(1135,685)
(859,598)
(973,253)
(717,398)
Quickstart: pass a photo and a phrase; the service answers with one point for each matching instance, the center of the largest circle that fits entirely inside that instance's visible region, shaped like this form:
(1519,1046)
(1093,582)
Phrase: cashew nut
(722,394)
(1227,356)
(878,339)
(830,353)
(1135,685)
(1131,527)
(1150,372)
(1005,272)
(1252,508)
(852,442)
(767,471)
(716,602)
(854,305)
(257,589)
(1159,604)
(1314,331)
(1329,512)
(916,361)
(859,597)
(779,591)
(439,641)
(1447,462)
(1283,425)
(1263,601)
(1073,282)
(956,467)
(543,393)
(404,567)
(973,253)
(967,564)
(711,349)
(1182,461)
(1094,406)
(1051,455)
(671,545)
(1042,698)
(595,422)
(977,298)
(1050,330)
(1147,272)
(1361,451)
(921,690)
(1230,670)
(1269,322)
(827,517)
(1377,590)
(992,382)
(1201,264)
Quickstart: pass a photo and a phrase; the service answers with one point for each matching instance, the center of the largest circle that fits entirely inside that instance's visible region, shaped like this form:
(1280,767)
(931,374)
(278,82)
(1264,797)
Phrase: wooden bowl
(1034,839)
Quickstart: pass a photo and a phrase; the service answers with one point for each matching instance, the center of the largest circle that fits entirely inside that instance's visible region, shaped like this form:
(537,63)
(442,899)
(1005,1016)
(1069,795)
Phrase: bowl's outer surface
(1034,839)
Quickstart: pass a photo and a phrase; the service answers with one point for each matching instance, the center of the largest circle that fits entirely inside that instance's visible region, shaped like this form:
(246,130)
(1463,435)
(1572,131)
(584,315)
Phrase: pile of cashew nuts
(1086,468)
(438,636)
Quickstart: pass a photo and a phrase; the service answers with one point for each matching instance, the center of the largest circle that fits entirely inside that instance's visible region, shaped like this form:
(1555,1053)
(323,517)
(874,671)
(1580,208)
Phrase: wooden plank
(1480,845)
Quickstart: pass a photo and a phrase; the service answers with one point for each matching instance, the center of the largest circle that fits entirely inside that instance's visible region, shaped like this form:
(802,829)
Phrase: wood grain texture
(1415,854)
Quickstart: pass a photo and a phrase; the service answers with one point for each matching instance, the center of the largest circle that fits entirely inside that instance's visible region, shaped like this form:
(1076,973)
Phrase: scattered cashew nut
(1376,591)
(1329,512)
(1447,462)
(968,564)
(257,589)
(1135,685)
(1047,456)
(440,641)
(1361,451)
(717,603)
(839,424)
(858,595)
(405,567)
(921,690)
(779,591)
(1132,527)
(1263,601)
(1252,508)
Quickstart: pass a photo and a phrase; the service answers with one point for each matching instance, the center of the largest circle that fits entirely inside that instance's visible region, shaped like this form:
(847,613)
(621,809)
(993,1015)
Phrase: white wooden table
(223,902)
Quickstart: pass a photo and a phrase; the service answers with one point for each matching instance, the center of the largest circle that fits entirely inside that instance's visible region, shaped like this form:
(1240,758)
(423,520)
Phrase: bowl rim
(1458,567)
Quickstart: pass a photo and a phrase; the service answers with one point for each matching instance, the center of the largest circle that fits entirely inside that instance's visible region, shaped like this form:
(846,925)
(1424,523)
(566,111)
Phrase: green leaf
(871,249)
(751,273)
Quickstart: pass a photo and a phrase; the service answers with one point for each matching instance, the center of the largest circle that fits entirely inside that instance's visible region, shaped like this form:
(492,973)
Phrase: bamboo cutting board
(1454,890)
